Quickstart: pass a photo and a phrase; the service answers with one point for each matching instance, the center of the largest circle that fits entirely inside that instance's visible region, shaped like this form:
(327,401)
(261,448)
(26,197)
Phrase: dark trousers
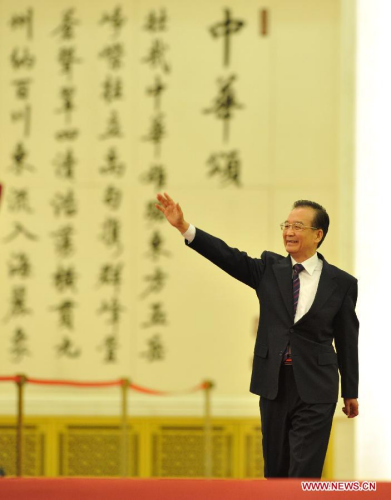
(295,434)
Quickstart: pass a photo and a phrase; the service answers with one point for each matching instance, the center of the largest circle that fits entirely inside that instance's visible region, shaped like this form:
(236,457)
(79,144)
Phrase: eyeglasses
(296,226)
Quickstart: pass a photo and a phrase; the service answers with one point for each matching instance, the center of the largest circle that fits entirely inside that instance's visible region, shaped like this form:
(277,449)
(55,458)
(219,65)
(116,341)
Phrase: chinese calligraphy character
(110,346)
(156,132)
(156,176)
(20,229)
(156,91)
(18,200)
(113,55)
(23,20)
(112,197)
(156,350)
(226,165)
(64,204)
(156,282)
(66,309)
(113,127)
(67,135)
(18,306)
(226,29)
(25,115)
(19,265)
(155,57)
(63,241)
(111,274)
(112,89)
(66,29)
(68,349)
(19,348)
(111,233)
(113,165)
(156,21)
(21,59)
(158,316)
(113,308)
(22,88)
(67,94)
(225,103)
(65,278)
(152,214)
(65,164)
(156,246)
(67,59)
(116,20)
(19,156)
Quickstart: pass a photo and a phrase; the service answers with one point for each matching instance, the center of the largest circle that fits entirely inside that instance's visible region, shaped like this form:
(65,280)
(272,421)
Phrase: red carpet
(172,489)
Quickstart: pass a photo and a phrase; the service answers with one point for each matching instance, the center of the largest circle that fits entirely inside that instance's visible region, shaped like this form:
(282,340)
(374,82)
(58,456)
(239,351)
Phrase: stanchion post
(21,380)
(208,431)
(124,427)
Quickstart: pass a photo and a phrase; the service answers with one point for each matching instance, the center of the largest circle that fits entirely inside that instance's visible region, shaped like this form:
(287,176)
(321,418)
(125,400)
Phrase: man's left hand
(351,407)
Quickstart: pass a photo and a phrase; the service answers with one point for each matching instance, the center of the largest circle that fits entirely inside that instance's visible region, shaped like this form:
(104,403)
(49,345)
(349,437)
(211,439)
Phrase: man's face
(301,245)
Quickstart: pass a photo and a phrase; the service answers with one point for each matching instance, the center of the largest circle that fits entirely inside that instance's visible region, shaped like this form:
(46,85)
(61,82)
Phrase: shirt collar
(309,264)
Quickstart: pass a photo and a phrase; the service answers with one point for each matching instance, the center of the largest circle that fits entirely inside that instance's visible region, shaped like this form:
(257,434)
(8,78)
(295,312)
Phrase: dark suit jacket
(331,318)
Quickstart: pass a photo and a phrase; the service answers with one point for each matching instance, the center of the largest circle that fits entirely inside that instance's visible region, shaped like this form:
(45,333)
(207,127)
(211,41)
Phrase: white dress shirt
(309,281)
(309,277)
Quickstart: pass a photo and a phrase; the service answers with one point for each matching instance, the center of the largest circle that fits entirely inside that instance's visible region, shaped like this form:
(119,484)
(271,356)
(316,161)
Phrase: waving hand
(172,212)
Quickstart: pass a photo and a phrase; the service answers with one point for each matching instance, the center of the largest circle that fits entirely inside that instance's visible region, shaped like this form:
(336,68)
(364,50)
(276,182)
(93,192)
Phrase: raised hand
(172,212)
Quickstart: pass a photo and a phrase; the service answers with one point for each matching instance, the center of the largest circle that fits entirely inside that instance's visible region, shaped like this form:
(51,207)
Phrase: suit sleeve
(231,260)
(346,342)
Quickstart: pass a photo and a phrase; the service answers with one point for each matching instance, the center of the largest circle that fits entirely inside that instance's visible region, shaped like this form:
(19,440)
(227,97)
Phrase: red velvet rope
(73,383)
(154,392)
(9,379)
(120,382)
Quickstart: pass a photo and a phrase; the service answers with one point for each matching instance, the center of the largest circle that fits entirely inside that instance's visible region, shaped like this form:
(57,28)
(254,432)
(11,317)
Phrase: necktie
(297,268)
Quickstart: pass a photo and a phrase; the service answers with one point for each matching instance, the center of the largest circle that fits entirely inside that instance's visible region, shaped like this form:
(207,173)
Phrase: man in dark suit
(306,304)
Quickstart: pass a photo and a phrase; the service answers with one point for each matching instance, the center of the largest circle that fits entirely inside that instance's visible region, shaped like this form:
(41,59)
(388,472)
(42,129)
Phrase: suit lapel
(326,287)
(283,273)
